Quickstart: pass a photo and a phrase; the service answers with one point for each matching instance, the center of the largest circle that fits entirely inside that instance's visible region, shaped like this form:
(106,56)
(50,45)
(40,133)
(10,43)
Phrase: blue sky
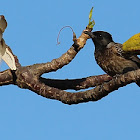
(32,32)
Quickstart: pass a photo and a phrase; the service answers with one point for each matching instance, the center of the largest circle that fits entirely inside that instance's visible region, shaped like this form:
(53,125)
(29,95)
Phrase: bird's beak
(90,34)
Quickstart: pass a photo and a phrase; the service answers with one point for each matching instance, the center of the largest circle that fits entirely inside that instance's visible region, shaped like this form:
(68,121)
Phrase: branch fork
(30,77)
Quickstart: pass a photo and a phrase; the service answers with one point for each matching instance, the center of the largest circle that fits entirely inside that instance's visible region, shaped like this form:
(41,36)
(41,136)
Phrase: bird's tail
(138,83)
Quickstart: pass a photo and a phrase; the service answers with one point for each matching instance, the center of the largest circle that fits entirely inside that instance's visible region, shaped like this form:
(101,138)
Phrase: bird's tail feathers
(138,83)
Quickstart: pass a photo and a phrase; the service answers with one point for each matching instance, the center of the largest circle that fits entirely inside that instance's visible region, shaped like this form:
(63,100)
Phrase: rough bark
(29,77)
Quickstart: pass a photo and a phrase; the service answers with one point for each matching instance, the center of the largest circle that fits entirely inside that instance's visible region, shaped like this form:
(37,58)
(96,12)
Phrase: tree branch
(74,98)
(6,78)
(65,59)
(90,95)
(29,78)
(76,84)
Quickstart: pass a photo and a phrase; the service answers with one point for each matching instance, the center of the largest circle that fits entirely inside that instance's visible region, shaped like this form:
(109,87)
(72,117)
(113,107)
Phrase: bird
(5,53)
(110,55)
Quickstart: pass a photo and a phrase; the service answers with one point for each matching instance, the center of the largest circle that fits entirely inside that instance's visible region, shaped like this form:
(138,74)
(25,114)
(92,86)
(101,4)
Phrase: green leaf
(91,22)
(90,14)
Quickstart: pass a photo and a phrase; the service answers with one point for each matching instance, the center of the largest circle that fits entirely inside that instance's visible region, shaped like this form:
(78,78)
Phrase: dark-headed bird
(110,56)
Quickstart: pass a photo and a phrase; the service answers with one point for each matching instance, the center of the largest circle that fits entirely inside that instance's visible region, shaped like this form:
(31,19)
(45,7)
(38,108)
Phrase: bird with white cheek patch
(110,56)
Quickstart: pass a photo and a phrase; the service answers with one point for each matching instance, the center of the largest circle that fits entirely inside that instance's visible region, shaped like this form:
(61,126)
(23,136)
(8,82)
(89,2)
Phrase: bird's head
(100,38)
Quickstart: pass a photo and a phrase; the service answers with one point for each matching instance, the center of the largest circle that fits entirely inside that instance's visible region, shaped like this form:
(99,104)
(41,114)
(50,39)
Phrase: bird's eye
(100,36)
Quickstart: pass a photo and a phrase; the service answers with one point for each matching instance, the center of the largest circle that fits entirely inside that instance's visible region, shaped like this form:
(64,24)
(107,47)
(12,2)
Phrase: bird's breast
(113,63)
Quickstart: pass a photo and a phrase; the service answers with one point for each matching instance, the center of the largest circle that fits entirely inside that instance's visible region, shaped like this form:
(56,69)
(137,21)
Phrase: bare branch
(74,98)
(65,59)
(6,78)
(29,78)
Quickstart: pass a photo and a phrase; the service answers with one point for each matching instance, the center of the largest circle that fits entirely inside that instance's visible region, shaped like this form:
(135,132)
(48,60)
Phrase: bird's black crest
(102,34)
(101,38)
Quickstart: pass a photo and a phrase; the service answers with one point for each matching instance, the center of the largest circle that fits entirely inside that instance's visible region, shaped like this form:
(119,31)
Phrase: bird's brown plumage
(110,56)
(113,61)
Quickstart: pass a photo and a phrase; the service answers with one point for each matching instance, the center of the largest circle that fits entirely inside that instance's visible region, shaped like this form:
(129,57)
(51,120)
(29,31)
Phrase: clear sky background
(32,31)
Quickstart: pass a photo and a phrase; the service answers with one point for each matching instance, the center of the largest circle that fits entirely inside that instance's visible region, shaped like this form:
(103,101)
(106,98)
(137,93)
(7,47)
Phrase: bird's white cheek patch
(110,45)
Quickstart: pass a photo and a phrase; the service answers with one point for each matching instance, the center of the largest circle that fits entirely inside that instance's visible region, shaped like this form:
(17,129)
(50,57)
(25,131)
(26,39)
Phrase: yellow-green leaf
(90,14)
(132,44)
(91,22)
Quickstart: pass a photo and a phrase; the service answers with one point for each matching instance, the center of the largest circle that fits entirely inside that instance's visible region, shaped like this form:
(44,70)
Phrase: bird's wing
(118,50)
(135,59)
